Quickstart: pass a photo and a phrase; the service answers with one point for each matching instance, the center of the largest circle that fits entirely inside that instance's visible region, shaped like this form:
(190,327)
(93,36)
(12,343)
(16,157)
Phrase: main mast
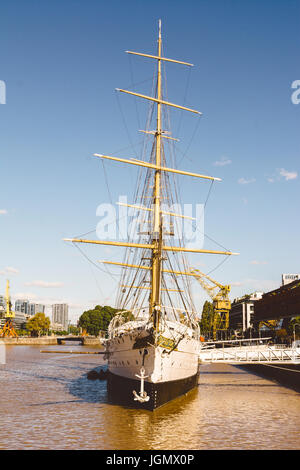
(157,222)
(155,244)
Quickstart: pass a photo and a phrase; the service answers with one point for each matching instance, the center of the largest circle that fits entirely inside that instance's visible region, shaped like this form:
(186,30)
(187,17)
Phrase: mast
(155,243)
(157,223)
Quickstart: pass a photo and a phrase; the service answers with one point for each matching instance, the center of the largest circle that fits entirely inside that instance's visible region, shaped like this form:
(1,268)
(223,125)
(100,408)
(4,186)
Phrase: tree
(281,335)
(96,320)
(207,318)
(74,330)
(39,324)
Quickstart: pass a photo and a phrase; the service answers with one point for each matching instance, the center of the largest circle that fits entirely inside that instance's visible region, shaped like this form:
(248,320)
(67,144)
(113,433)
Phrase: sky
(61,62)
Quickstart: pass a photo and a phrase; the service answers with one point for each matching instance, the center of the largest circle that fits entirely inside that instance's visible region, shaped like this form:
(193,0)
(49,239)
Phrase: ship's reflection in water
(50,395)
(169,427)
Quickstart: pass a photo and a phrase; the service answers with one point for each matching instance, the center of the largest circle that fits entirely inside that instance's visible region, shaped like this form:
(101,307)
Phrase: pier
(261,354)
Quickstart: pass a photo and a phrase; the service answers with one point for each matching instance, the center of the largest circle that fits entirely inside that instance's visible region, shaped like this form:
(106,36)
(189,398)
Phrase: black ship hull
(120,391)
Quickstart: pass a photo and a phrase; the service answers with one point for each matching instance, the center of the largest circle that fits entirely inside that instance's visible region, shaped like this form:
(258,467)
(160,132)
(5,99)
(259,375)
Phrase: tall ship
(153,341)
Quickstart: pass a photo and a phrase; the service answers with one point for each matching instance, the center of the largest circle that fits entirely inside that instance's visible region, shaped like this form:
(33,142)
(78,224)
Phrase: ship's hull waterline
(162,367)
(120,391)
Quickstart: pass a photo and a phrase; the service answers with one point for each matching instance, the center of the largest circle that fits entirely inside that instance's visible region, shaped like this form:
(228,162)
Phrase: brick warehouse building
(279,303)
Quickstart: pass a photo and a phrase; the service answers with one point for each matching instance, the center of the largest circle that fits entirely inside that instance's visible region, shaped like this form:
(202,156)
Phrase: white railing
(251,355)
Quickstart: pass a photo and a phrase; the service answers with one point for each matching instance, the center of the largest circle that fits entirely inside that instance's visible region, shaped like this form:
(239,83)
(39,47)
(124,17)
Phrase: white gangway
(250,353)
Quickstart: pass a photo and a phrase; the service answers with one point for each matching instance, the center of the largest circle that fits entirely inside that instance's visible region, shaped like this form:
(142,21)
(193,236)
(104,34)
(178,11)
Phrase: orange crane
(8,329)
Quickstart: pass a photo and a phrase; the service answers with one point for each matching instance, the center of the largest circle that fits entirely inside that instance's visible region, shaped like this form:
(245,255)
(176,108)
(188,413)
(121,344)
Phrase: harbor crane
(8,329)
(219,295)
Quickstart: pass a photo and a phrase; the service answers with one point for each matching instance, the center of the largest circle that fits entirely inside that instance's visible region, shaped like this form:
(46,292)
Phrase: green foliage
(281,334)
(96,320)
(59,332)
(22,332)
(207,318)
(38,325)
(74,330)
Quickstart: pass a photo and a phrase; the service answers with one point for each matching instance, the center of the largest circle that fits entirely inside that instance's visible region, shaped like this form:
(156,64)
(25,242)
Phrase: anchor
(142,396)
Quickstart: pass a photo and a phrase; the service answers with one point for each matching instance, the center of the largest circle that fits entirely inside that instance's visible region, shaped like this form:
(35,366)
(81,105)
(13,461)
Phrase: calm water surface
(46,402)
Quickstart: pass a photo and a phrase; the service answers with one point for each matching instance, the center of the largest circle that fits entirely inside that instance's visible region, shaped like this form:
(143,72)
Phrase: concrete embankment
(286,374)
(42,341)
(47,340)
(87,341)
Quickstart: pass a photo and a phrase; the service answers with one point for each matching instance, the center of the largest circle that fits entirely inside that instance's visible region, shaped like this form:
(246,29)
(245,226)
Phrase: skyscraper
(36,308)
(60,314)
(22,305)
(2,304)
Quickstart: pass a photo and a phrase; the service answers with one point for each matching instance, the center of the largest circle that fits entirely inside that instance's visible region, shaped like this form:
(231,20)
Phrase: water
(46,402)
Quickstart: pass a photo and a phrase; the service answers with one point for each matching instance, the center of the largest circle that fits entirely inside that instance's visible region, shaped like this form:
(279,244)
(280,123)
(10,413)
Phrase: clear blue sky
(61,62)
